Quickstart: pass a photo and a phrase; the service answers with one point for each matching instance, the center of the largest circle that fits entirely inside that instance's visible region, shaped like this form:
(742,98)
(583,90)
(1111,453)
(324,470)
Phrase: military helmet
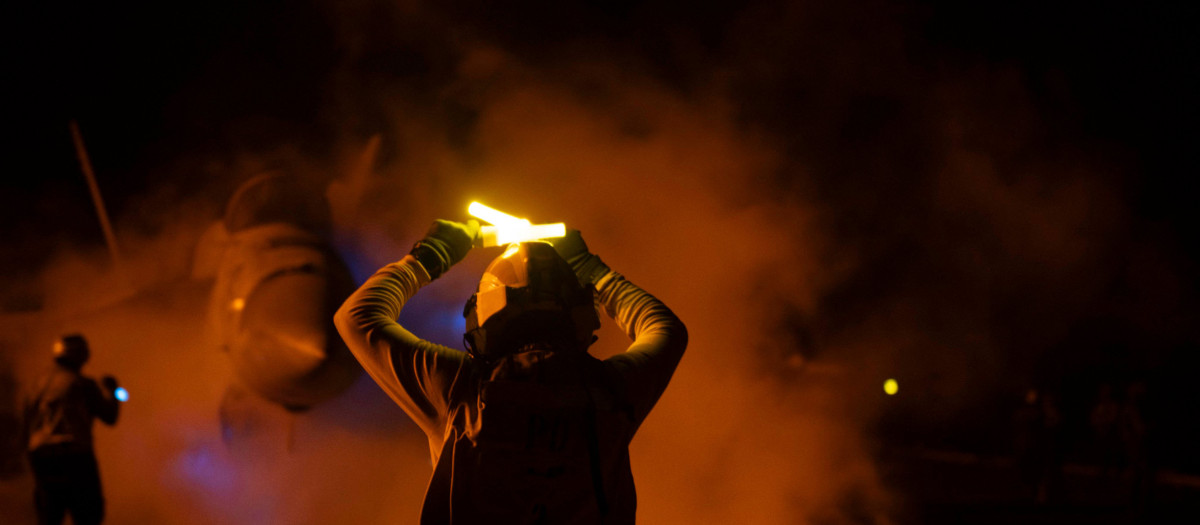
(528,295)
(71,351)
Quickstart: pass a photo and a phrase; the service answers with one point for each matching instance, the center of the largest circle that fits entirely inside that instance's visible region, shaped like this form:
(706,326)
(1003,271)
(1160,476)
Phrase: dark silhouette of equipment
(278,282)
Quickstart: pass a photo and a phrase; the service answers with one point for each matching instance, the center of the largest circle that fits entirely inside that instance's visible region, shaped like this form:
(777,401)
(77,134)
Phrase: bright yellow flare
(890,387)
(508,229)
(492,215)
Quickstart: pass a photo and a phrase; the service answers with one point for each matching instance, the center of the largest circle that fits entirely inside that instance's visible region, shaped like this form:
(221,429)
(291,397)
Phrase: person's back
(526,427)
(59,412)
(63,410)
(539,437)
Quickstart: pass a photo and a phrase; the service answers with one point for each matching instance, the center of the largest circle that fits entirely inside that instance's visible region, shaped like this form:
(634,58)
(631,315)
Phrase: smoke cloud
(822,198)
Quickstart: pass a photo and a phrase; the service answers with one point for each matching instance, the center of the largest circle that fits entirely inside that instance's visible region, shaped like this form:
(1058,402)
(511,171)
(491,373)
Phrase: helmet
(71,351)
(528,295)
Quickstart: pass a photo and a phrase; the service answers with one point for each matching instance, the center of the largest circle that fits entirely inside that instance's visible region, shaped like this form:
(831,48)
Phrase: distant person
(1053,446)
(525,427)
(1027,441)
(1133,430)
(1105,438)
(58,415)
(1039,445)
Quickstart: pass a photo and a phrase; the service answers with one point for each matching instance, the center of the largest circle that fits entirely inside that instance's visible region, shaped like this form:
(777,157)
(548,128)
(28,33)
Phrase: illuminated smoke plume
(822,209)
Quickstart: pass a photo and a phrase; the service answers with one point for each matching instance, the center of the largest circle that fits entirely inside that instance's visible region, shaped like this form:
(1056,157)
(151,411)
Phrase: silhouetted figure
(1028,425)
(525,427)
(1039,445)
(1053,447)
(1133,429)
(1105,439)
(58,416)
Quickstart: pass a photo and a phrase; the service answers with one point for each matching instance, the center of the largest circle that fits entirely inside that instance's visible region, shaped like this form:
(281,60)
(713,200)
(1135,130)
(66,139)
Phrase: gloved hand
(446,243)
(109,383)
(587,267)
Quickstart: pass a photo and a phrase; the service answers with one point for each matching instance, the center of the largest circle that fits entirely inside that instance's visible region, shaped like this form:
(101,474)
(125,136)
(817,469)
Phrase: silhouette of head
(528,295)
(71,351)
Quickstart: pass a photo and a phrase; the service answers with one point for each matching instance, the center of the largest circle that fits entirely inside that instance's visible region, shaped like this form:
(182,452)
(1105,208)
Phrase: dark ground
(943,487)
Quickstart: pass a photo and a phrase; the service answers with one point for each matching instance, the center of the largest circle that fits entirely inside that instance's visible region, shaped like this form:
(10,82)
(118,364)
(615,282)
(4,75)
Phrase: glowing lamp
(507,229)
(890,387)
(121,394)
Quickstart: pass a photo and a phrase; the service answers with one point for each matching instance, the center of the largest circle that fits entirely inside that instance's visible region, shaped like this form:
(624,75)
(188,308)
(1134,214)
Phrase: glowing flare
(548,231)
(498,235)
(508,229)
(890,387)
(121,394)
(493,215)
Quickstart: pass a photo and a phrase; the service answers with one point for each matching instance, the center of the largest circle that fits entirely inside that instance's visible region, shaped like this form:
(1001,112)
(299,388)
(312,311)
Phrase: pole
(97,200)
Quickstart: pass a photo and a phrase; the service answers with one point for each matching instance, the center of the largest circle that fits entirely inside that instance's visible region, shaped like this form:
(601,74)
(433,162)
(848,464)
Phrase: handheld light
(492,215)
(507,229)
(121,394)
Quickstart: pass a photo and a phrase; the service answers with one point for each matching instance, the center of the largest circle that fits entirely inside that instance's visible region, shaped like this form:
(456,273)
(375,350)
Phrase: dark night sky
(847,92)
(150,83)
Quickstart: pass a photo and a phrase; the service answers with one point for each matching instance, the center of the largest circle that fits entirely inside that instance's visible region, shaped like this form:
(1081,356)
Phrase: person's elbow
(352,320)
(673,334)
(355,322)
(679,336)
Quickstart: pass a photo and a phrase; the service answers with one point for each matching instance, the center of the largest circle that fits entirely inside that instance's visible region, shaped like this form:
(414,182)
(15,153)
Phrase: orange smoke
(810,257)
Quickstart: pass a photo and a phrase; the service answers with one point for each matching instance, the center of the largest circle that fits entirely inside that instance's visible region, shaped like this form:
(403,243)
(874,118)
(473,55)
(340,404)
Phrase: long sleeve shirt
(531,457)
(61,409)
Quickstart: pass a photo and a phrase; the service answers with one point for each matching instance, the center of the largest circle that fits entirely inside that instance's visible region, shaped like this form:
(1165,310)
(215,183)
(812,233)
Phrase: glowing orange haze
(676,210)
(828,196)
(671,191)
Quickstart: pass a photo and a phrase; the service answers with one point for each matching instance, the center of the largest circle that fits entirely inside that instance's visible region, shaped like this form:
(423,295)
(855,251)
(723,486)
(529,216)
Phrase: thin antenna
(97,200)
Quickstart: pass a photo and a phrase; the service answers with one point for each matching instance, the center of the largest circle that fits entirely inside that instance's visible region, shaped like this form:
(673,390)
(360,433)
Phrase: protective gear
(528,295)
(586,266)
(71,351)
(446,243)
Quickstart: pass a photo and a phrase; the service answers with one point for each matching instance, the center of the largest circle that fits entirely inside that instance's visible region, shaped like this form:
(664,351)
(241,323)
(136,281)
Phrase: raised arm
(104,401)
(659,337)
(416,374)
(659,340)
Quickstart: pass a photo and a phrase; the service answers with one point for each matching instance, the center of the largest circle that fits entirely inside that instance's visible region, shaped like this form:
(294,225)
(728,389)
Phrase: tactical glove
(446,243)
(587,267)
